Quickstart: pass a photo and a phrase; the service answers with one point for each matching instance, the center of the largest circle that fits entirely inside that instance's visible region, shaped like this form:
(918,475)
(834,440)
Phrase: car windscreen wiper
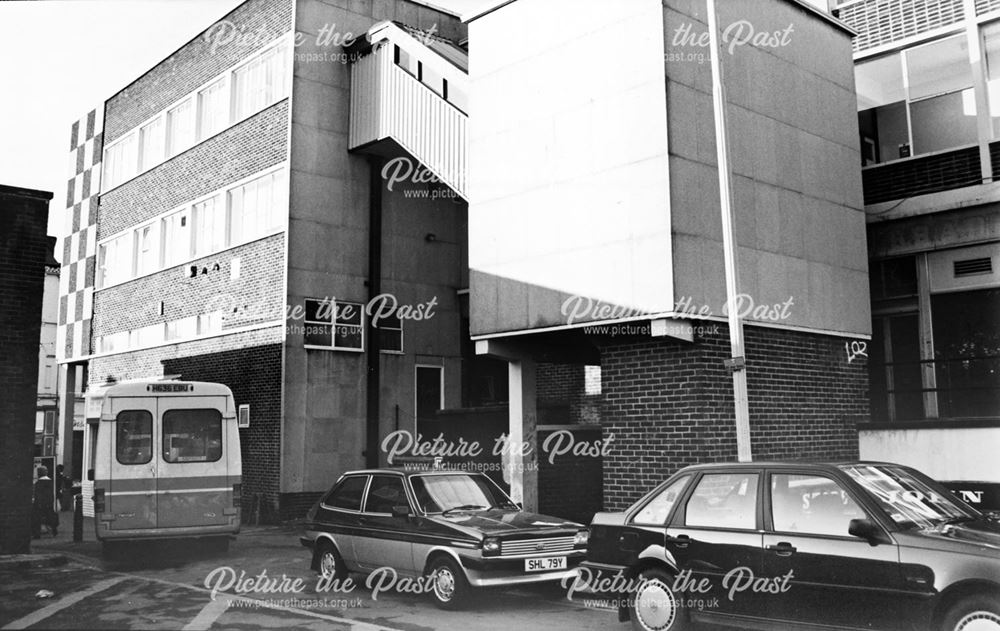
(464,507)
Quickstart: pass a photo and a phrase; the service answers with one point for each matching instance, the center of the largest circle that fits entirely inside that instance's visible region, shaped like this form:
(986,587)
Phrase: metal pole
(737,365)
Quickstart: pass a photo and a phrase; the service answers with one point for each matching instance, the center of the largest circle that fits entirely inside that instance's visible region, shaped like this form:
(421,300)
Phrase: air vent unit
(973,267)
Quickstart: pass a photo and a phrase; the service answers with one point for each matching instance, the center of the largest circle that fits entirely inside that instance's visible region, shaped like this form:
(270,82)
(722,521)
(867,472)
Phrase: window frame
(769,526)
(391,329)
(333,326)
(371,482)
(163,435)
(118,431)
(364,493)
(679,519)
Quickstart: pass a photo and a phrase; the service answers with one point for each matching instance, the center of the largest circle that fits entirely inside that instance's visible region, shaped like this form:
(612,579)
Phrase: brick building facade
(24,251)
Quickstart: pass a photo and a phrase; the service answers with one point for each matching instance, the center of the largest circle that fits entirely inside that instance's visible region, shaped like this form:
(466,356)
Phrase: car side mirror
(868,530)
(90,475)
(401,511)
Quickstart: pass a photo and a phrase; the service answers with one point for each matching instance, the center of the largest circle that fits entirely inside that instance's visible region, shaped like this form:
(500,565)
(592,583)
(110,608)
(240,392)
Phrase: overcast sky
(60,59)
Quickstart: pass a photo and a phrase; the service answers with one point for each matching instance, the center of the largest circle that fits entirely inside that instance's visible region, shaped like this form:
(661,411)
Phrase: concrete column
(928,373)
(977,59)
(521,463)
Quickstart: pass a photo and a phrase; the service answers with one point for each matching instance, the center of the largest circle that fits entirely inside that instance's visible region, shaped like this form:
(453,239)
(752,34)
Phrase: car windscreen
(439,493)
(906,499)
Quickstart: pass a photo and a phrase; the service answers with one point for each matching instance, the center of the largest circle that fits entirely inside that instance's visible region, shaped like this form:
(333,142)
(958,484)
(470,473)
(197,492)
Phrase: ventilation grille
(985,6)
(973,267)
(244,416)
(881,22)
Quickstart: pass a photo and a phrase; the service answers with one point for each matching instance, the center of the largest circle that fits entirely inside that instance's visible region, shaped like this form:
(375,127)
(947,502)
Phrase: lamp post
(737,363)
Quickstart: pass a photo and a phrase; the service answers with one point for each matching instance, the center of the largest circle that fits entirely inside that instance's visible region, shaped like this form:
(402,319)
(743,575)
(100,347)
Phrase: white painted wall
(943,454)
(569,189)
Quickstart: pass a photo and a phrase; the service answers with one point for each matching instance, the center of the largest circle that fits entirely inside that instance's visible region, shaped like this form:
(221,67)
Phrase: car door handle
(782,549)
(681,541)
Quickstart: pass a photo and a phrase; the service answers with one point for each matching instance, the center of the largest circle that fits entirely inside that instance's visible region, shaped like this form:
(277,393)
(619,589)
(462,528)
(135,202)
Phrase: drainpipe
(373,382)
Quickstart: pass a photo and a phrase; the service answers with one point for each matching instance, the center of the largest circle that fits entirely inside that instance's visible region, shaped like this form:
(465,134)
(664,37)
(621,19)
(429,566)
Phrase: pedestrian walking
(42,508)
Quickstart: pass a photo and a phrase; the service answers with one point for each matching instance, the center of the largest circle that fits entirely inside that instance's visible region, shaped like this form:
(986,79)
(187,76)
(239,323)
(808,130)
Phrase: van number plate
(545,565)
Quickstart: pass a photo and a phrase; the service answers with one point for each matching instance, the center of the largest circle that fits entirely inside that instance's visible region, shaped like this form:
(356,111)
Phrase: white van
(163,458)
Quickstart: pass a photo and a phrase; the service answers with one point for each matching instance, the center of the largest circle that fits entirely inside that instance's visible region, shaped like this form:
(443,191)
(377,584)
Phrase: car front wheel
(448,585)
(974,613)
(652,606)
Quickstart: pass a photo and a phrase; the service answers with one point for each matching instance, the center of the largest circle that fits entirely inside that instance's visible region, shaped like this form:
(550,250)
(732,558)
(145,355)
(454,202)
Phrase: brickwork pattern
(79,245)
(257,143)
(256,21)
(669,404)
(24,249)
(562,395)
(253,298)
(253,373)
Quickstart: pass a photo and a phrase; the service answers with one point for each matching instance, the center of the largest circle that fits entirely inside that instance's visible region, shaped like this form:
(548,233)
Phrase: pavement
(167,585)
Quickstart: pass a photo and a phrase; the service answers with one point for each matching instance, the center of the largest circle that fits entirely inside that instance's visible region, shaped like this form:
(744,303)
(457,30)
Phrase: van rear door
(131,492)
(194,489)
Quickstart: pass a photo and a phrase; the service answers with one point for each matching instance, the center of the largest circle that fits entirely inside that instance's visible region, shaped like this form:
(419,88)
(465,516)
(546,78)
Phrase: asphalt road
(168,587)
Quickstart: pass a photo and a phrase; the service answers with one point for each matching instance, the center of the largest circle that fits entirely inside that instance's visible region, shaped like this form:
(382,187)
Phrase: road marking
(209,614)
(66,601)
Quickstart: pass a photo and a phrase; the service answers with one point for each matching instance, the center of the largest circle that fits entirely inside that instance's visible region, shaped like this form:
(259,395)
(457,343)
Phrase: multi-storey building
(595,232)
(928,73)
(238,239)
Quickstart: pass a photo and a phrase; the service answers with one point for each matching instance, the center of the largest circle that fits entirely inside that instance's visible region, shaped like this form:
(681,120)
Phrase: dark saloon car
(458,530)
(859,545)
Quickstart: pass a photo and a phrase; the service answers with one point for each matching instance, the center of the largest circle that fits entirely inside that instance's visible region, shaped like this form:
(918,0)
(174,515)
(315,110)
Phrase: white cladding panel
(568,156)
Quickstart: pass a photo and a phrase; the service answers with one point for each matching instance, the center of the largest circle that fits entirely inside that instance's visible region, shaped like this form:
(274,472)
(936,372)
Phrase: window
(390,330)
(908,500)
(180,127)
(260,82)
(894,278)
(437,493)
(258,207)
(146,336)
(120,161)
(209,323)
(177,237)
(112,343)
(967,352)
(209,226)
(213,115)
(658,509)
(812,505)
(915,102)
(134,437)
(114,261)
(724,500)
(151,146)
(347,495)
(192,435)
(385,492)
(334,324)
(592,380)
(147,258)
(991,47)
(895,381)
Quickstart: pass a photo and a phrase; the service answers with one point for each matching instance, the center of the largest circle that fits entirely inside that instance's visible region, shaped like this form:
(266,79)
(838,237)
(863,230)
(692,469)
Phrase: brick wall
(24,248)
(562,395)
(669,404)
(251,146)
(253,373)
(253,298)
(196,63)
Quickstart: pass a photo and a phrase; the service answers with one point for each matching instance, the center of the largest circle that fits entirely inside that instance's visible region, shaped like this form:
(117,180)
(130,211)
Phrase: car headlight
(581,539)
(491,546)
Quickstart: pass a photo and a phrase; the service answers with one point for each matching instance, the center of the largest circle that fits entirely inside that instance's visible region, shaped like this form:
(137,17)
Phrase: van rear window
(134,437)
(192,435)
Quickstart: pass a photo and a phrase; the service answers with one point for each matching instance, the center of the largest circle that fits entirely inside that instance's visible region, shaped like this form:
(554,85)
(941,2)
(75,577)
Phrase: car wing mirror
(868,530)
(401,511)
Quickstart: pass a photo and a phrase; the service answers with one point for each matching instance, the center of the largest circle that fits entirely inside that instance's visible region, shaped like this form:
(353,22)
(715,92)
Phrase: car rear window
(348,493)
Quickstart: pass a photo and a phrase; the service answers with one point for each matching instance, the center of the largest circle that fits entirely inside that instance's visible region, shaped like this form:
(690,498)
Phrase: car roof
(416,469)
(826,465)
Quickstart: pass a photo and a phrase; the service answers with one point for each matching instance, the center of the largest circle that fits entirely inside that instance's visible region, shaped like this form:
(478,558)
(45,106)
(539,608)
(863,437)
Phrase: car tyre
(980,612)
(652,605)
(448,585)
(329,563)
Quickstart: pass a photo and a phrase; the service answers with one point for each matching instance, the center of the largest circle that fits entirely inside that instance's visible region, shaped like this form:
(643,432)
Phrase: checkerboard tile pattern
(79,256)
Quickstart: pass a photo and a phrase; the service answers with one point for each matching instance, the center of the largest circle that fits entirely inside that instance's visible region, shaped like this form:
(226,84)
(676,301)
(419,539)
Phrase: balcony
(920,175)
(411,90)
